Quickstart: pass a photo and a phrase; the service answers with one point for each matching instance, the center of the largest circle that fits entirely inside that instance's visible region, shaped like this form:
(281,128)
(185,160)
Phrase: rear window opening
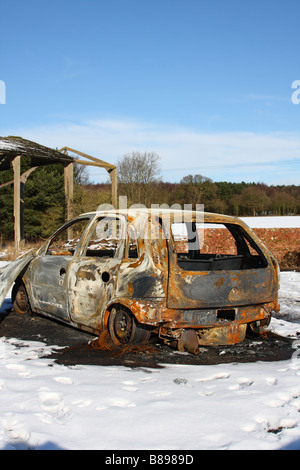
(215,247)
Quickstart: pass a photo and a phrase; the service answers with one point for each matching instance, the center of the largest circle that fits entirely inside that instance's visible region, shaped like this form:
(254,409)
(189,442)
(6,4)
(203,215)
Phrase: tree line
(238,199)
(140,181)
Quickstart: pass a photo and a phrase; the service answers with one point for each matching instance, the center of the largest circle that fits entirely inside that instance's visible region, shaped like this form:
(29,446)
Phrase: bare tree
(137,174)
(253,201)
(196,189)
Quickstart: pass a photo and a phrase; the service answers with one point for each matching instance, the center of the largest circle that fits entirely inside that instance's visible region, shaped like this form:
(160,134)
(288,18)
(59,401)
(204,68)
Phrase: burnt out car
(191,278)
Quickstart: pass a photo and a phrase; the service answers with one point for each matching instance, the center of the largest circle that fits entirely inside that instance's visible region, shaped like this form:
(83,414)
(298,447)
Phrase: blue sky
(206,84)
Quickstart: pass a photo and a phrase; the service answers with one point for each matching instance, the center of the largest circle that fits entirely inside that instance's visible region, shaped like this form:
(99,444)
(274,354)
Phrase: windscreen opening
(65,242)
(215,247)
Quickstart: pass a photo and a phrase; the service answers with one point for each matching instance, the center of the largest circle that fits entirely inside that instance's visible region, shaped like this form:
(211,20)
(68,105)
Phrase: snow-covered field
(182,407)
(44,405)
(292,221)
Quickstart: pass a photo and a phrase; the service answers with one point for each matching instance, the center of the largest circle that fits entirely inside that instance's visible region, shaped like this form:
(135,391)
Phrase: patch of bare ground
(72,347)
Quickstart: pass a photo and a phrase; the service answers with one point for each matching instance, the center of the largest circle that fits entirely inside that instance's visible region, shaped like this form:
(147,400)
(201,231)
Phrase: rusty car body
(136,272)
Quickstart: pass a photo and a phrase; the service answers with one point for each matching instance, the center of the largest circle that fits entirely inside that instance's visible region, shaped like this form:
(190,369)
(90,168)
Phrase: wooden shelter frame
(13,148)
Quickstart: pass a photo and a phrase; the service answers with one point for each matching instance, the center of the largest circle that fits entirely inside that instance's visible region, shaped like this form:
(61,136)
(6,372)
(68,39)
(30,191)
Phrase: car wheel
(20,300)
(124,329)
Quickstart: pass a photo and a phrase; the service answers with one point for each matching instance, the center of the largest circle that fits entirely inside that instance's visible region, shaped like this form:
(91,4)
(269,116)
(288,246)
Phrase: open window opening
(132,244)
(215,247)
(105,238)
(65,242)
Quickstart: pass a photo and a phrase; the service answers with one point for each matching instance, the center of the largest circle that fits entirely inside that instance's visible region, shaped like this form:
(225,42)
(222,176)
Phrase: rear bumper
(193,328)
(221,326)
(203,318)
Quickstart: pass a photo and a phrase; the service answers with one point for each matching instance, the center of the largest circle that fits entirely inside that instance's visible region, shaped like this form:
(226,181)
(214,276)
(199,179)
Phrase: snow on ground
(292,221)
(181,407)
(44,405)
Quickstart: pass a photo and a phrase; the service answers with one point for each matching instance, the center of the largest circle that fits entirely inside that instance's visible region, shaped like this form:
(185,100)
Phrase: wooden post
(114,187)
(69,189)
(23,180)
(16,163)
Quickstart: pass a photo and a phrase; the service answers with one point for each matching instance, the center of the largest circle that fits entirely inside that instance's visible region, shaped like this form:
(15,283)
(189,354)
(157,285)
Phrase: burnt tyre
(20,300)
(124,329)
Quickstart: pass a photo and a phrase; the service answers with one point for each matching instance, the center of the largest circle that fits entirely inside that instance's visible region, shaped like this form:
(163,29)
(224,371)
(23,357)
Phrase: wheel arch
(19,281)
(11,272)
(118,304)
(141,332)
(20,298)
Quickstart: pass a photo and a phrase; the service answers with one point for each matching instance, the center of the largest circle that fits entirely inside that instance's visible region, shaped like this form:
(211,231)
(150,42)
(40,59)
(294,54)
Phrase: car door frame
(47,275)
(92,281)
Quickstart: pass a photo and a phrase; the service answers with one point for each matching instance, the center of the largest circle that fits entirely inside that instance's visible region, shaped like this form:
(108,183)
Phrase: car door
(47,274)
(92,275)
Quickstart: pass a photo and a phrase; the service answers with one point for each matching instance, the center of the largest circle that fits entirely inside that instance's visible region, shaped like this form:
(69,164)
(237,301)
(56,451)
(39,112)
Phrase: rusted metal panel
(45,280)
(230,334)
(220,289)
(201,318)
(91,286)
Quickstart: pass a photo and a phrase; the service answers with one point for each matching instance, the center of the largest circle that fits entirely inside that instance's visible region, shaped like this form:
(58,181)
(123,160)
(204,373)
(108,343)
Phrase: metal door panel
(47,277)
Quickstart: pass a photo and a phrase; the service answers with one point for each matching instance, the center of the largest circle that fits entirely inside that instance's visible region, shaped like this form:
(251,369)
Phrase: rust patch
(219,283)
(230,334)
(137,263)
